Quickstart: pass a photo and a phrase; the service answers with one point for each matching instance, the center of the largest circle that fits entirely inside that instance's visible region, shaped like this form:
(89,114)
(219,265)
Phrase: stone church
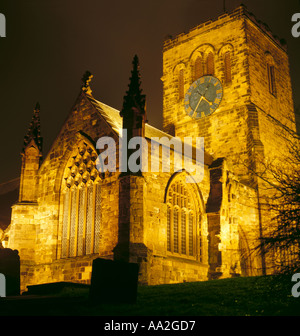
(219,80)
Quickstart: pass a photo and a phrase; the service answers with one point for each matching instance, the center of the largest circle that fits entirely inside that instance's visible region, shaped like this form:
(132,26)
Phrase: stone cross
(87,77)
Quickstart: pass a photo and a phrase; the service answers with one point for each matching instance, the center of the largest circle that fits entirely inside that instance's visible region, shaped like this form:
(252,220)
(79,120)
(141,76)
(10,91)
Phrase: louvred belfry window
(271,79)
(198,68)
(210,66)
(82,204)
(227,67)
(181,221)
(181,83)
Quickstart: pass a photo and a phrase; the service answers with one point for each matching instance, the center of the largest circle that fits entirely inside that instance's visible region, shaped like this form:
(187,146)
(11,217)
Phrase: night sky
(51,43)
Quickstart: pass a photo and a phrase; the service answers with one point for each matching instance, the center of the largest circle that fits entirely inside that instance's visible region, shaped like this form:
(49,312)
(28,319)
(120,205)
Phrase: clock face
(203,97)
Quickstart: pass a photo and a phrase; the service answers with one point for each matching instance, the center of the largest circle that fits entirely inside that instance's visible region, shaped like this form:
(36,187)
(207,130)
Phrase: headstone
(54,288)
(114,281)
(2,285)
(10,268)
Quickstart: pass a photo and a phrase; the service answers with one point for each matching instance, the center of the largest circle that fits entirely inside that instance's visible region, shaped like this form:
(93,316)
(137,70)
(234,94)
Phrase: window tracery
(182,225)
(82,204)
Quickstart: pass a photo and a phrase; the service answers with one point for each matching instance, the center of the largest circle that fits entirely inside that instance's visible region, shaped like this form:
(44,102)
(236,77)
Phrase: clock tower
(221,81)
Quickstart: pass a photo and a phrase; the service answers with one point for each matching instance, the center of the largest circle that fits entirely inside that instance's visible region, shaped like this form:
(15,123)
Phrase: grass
(226,297)
(253,296)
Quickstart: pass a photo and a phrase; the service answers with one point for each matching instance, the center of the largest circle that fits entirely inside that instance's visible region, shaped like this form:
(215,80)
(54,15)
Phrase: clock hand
(210,103)
(198,103)
(202,97)
(206,87)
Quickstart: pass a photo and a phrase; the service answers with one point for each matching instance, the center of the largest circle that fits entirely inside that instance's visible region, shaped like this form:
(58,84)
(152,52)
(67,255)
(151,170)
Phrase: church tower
(241,71)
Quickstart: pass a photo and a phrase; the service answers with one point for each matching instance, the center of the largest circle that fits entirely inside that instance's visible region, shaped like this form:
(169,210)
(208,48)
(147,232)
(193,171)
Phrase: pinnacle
(34,130)
(134,97)
(37,106)
(86,79)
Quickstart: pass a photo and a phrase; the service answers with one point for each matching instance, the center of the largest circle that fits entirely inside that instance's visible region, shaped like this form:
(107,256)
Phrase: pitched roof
(112,116)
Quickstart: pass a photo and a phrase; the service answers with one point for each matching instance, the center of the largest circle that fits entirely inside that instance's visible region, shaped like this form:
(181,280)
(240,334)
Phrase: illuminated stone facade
(68,213)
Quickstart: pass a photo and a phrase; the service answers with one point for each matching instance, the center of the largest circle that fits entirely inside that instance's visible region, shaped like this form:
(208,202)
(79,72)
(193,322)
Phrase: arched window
(169,214)
(271,73)
(227,67)
(210,66)
(198,68)
(181,83)
(183,231)
(175,230)
(82,204)
(271,79)
(225,54)
(181,220)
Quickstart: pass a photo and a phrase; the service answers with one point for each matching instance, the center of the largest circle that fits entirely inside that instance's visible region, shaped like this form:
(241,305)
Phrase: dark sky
(51,43)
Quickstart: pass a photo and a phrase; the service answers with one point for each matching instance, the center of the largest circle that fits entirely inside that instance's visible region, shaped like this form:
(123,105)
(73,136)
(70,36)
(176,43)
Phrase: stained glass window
(81,226)
(181,221)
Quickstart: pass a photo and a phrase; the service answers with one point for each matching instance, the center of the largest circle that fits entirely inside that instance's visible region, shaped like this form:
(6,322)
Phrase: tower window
(198,68)
(227,67)
(271,79)
(181,83)
(210,66)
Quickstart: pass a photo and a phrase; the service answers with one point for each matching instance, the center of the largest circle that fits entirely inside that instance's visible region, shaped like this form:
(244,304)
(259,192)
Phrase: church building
(219,81)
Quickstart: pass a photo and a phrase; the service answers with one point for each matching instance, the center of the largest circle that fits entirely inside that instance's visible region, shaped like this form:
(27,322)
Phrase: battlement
(238,13)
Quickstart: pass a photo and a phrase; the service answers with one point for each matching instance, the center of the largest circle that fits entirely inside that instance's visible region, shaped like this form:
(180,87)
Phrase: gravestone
(10,268)
(113,281)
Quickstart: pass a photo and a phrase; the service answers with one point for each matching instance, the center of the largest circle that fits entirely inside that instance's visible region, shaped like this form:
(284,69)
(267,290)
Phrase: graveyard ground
(254,296)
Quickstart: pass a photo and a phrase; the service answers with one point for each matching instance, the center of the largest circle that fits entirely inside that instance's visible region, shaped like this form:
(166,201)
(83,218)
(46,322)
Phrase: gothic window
(183,232)
(210,66)
(271,79)
(227,67)
(73,223)
(64,252)
(81,208)
(198,68)
(271,73)
(97,219)
(191,232)
(175,230)
(181,83)
(82,204)
(181,221)
(169,214)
